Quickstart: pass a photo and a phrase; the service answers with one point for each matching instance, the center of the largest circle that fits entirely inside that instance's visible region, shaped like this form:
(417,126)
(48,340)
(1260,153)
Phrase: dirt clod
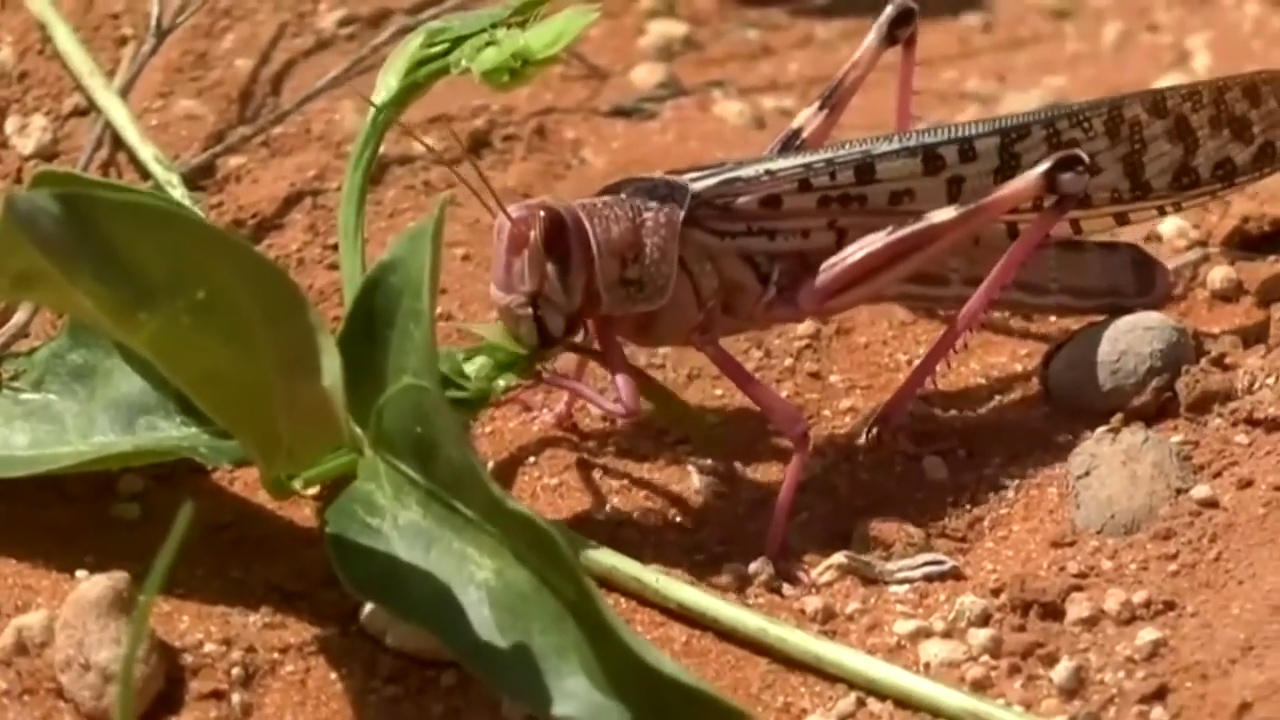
(30,633)
(1121,479)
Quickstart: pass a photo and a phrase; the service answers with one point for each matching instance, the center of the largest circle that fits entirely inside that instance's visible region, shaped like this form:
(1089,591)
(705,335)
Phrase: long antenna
(439,158)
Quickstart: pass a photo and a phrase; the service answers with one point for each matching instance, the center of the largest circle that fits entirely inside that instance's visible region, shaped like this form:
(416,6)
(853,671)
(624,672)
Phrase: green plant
(183,341)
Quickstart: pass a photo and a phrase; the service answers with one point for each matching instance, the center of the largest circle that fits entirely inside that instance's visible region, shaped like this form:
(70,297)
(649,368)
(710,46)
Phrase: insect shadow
(849,482)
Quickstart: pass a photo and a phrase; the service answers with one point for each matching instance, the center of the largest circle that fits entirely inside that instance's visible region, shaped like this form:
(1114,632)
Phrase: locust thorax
(541,272)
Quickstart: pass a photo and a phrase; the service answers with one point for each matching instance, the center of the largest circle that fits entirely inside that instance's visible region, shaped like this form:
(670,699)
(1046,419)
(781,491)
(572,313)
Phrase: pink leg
(894,410)
(866,268)
(563,412)
(786,418)
(812,126)
(628,404)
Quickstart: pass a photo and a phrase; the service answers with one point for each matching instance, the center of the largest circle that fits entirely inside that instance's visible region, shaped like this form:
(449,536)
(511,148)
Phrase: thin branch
(355,66)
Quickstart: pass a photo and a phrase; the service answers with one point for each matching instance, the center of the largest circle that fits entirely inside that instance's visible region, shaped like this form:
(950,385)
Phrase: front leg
(627,406)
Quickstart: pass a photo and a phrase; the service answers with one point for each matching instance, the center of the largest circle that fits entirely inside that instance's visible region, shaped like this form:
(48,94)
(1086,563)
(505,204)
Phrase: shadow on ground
(850,482)
(238,554)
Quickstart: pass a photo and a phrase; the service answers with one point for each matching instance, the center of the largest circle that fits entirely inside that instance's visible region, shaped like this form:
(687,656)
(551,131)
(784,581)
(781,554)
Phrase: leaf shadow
(240,554)
(849,483)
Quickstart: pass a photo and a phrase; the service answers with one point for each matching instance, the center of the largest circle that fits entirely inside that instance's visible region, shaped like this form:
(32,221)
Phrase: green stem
(97,86)
(805,649)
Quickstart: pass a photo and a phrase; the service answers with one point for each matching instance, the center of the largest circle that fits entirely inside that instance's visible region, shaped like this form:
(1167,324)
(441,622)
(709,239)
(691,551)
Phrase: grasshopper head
(541,272)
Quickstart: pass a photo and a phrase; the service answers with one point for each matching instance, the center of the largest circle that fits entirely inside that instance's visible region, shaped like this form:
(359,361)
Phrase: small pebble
(984,641)
(1223,283)
(1148,643)
(130,485)
(665,37)
(978,677)
(847,707)
(31,136)
(912,628)
(817,608)
(761,569)
(1067,677)
(89,635)
(1204,496)
(737,111)
(970,611)
(27,634)
(653,76)
(1079,611)
(937,653)
(935,468)
(1178,233)
(1118,606)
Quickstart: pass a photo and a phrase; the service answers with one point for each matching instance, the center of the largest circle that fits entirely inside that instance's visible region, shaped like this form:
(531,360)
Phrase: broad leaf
(426,534)
(80,402)
(222,323)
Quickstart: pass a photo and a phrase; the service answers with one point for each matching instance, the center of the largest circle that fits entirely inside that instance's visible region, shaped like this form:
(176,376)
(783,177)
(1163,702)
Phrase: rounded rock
(1120,479)
(1067,677)
(400,636)
(1108,366)
(89,637)
(1223,283)
(653,76)
(937,653)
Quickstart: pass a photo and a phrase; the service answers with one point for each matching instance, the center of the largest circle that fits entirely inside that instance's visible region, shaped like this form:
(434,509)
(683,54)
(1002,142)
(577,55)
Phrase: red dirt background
(254,589)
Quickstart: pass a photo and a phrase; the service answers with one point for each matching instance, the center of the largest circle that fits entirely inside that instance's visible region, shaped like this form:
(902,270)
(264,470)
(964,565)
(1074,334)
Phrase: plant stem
(805,649)
(97,86)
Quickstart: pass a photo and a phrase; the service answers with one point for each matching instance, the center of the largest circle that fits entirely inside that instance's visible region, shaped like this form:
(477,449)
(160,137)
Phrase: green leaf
(80,402)
(388,335)
(547,39)
(222,323)
(444,46)
(425,533)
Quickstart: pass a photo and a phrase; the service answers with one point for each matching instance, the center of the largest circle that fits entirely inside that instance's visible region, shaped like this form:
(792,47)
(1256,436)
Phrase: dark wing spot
(864,172)
(1225,171)
(1264,158)
(932,162)
(770,201)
